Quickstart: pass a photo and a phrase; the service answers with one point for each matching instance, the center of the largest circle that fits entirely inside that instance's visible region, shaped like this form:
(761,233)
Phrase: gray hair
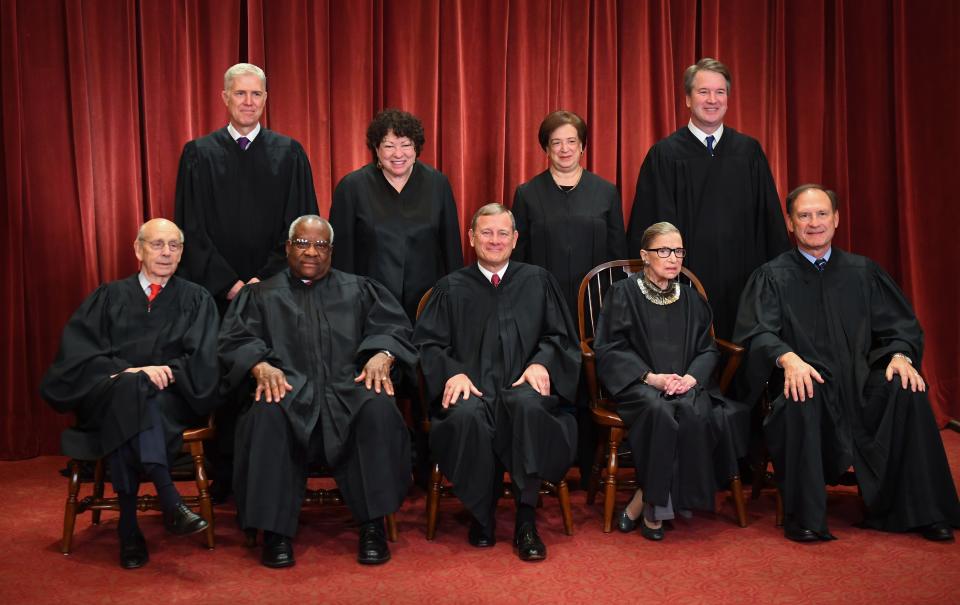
(144,226)
(492,209)
(705,64)
(243,69)
(656,230)
(306,218)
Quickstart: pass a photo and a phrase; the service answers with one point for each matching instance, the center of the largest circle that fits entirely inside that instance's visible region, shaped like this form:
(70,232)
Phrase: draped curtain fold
(99,98)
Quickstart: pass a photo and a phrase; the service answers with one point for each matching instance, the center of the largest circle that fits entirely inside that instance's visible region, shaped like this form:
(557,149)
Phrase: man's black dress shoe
(529,545)
(800,534)
(277,550)
(133,551)
(182,521)
(624,523)
(937,532)
(479,537)
(650,533)
(372,549)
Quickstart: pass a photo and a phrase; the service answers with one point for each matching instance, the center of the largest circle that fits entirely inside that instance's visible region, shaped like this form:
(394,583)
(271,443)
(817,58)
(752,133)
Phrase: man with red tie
(499,355)
(138,365)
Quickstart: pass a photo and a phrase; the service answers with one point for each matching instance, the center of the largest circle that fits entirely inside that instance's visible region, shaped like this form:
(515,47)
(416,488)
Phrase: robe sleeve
(86,356)
(434,338)
(653,201)
(894,324)
(775,231)
(619,365)
(758,329)
(522,216)
(343,218)
(241,344)
(202,263)
(450,241)
(195,372)
(386,327)
(301,200)
(558,349)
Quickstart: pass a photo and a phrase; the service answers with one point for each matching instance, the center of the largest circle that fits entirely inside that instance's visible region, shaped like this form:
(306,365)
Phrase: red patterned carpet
(705,560)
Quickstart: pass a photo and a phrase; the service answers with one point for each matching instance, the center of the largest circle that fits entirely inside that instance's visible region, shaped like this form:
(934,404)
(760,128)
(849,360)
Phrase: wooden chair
(192,443)
(437,488)
(593,288)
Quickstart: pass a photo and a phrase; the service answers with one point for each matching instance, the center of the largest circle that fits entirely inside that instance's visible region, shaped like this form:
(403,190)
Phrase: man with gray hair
(318,350)
(237,190)
(715,185)
(500,360)
(138,365)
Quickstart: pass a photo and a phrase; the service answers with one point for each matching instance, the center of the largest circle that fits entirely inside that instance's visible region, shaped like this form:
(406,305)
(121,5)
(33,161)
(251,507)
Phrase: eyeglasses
(158,244)
(305,244)
(665,252)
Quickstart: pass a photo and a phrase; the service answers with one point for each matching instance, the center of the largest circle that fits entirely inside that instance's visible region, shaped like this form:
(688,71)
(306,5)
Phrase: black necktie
(820,263)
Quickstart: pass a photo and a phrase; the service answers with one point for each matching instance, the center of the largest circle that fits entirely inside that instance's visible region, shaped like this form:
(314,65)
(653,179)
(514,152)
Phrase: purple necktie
(243,141)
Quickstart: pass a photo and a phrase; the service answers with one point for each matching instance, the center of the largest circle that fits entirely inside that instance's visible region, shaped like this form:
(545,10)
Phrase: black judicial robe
(492,335)
(405,240)
(321,336)
(115,329)
(568,232)
(686,446)
(846,322)
(236,206)
(726,207)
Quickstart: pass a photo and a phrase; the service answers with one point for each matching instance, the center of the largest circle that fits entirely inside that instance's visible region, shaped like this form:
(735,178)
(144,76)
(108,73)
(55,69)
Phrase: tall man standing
(499,357)
(238,189)
(138,364)
(714,184)
(852,395)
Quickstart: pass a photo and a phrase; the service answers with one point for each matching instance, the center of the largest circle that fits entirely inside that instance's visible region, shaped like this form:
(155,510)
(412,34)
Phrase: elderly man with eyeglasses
(138,365)
(316,349)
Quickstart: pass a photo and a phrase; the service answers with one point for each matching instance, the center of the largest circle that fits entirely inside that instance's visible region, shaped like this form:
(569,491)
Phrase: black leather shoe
(650,533)
(624,523)
(479,537)
(937,532)
(800,534)
(133,551)
(529,545)
(277,551)
(182,521)
(372,549)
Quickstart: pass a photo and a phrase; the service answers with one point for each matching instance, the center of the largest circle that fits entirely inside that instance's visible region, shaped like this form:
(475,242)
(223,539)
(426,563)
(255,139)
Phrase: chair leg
(594,482)
(203,492)
(433,500)
(97,490)
(736,488)
(563,493)
(392,527)
(610,478)
(70,510)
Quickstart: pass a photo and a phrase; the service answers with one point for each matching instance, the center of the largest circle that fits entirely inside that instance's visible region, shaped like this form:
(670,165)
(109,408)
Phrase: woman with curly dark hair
(395,218)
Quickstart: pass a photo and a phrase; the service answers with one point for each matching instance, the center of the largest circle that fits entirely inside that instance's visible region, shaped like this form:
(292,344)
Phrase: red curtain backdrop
(100,96)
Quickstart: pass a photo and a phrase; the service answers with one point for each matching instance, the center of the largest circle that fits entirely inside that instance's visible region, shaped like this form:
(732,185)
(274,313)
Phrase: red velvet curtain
(99,97)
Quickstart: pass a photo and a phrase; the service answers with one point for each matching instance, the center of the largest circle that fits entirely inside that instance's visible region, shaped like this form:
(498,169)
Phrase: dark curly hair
(402,123)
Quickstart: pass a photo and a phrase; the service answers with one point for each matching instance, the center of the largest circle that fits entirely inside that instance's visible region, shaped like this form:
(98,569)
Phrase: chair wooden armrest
(734,353)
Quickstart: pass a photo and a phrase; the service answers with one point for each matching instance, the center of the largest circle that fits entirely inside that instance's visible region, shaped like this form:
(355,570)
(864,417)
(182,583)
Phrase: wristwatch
(389,355)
